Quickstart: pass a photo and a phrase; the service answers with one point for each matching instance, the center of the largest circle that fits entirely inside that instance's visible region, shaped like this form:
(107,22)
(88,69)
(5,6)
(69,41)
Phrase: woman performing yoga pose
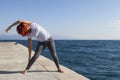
(31,29)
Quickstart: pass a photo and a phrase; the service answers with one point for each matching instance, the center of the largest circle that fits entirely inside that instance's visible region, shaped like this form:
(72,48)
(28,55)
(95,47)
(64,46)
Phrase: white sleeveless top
(39,32)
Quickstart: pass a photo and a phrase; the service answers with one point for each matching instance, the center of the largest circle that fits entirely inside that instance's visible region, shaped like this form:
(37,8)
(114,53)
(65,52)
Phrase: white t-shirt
(39,32)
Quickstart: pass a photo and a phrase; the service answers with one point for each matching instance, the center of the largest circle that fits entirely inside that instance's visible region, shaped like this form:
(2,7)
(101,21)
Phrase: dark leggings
(40,47)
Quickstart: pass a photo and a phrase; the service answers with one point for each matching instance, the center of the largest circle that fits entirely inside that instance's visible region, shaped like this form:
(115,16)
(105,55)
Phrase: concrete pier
(13,60)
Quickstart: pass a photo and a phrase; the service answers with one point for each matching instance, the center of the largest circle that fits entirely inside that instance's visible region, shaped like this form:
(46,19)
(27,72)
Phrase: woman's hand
(7,29)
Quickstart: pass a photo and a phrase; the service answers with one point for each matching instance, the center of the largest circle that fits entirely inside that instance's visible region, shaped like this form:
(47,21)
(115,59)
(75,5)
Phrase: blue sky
(64,19)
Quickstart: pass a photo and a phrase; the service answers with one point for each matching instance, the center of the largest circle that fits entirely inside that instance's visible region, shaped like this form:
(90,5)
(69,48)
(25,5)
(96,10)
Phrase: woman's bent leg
(51,47)
(38,51)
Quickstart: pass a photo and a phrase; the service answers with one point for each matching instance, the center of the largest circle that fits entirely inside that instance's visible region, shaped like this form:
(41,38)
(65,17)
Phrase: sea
(94,59)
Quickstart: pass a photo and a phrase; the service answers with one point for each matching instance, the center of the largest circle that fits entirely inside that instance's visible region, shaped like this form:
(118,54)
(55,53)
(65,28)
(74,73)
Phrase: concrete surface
(13,60)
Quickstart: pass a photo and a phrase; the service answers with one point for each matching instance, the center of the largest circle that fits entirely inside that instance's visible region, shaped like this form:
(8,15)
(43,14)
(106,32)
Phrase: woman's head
(23,29)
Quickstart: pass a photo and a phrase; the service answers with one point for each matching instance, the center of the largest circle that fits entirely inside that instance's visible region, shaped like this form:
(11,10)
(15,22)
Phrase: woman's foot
(25,71)
(59,70)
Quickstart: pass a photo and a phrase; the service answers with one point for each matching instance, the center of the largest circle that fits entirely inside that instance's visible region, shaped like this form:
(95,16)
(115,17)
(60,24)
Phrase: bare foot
(25,72)
(59,70)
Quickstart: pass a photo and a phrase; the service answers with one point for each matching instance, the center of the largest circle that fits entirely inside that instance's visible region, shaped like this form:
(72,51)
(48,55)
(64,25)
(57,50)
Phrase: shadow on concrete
(42,71)
(14,72)
(9,72)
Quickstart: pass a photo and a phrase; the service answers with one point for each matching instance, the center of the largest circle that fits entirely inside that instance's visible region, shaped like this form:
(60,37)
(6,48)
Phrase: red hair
(23,28)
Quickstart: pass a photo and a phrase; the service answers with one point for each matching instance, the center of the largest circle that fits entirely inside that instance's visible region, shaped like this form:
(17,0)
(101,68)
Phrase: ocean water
(95,59)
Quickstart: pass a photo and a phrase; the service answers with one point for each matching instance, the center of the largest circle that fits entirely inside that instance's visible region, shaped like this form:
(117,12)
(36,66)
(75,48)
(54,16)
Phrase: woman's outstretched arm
(15,23)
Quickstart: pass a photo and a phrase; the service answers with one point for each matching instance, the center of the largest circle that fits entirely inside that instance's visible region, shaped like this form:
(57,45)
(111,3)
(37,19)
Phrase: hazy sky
(64,19)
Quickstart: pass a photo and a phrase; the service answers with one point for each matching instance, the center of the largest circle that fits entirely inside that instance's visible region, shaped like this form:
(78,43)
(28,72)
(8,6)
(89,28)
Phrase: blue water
(95,59)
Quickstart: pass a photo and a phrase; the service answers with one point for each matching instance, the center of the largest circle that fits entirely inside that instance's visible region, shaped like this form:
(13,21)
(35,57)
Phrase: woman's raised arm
(15,23)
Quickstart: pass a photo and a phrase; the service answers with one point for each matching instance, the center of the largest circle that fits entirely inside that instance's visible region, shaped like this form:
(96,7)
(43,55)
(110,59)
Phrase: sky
(64,19)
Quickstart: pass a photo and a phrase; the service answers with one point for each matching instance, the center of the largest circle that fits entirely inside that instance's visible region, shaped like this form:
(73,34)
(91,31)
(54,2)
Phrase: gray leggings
(40,47)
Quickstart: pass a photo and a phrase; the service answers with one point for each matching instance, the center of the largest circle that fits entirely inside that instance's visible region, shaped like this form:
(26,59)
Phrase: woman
(31,29)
